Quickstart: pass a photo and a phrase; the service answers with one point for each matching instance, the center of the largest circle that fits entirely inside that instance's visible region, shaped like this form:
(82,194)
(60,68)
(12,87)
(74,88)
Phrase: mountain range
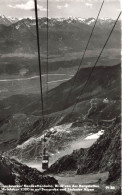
(53,21)
(20,37)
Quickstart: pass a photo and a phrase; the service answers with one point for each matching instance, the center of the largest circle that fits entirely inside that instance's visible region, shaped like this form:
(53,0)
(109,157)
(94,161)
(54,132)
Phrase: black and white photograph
(60,97)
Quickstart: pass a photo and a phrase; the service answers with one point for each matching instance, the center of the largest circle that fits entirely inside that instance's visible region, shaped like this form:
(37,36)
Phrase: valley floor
(73,179)
(88,183)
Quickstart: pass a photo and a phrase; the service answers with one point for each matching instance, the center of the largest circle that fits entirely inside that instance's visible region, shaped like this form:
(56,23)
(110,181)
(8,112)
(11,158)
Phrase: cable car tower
(45,156)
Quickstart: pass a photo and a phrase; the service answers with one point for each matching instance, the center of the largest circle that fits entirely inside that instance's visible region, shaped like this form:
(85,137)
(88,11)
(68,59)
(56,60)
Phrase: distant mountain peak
(7,20)
(1,15)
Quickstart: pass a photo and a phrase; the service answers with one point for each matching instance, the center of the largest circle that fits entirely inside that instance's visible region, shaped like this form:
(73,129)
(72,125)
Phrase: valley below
(12,85)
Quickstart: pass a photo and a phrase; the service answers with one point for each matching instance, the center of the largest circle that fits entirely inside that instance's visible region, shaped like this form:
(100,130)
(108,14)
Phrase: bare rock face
(104,155)
(6,176)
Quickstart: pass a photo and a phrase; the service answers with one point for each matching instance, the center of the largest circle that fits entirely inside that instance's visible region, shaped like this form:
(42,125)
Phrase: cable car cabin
(45,160)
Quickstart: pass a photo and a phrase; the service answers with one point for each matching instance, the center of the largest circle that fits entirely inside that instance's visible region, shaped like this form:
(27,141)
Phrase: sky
(60,8)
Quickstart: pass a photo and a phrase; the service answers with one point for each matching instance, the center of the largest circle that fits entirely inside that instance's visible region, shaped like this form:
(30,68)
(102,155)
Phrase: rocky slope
(31,150)
(104,155)
(15,173)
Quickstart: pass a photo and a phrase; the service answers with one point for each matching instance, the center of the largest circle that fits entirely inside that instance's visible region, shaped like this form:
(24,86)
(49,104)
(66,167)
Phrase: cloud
(83,1)
(63,6)
(66,5)
(59,6)
(89,5)
(28,6)
(119,9)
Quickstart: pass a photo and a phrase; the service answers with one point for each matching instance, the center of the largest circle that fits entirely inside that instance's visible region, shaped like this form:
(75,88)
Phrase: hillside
(27,108)
(98,87)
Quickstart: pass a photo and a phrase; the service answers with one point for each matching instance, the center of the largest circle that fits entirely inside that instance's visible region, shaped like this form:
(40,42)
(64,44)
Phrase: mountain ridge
(21,36)
(8,20)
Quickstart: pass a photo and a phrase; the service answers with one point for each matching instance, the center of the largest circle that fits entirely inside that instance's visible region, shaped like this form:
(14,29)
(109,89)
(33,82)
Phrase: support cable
(47,78)
(39,61)
(89,76)
(74,79)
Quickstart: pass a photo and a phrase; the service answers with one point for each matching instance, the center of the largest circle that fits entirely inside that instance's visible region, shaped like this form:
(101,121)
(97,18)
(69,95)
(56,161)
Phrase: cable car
(45,159)
(45,156)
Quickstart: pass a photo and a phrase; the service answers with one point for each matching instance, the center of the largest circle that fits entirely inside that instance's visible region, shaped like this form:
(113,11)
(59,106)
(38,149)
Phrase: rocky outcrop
(104,155)
(66,163)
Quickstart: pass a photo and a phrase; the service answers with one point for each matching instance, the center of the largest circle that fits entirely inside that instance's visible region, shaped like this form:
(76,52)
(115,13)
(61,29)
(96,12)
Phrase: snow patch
(17,27)
(91,21)
(2,16)
(106,101)
(95,135)
(35,140)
